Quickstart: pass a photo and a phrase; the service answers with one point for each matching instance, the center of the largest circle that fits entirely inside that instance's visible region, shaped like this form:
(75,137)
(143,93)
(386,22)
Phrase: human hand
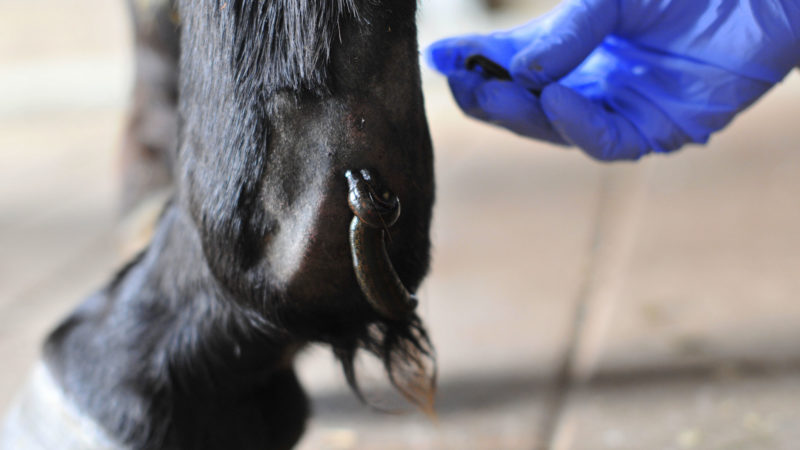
(621,78)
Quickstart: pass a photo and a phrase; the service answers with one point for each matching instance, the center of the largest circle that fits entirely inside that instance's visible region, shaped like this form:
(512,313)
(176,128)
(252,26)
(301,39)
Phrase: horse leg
(191,344)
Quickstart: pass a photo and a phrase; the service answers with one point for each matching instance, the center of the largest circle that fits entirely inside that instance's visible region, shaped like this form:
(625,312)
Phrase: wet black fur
(191,344)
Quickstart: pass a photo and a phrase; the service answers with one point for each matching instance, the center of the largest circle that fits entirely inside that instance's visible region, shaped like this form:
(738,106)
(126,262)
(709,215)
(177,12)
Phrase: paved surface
(573,305)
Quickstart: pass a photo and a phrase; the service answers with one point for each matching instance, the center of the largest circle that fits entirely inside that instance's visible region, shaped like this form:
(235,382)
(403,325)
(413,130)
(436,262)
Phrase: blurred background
(574,305)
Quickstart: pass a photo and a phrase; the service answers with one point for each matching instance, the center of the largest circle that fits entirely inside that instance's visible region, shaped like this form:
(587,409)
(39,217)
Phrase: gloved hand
(621,78)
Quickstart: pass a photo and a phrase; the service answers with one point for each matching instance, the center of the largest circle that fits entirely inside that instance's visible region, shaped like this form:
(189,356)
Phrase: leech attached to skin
(376,209)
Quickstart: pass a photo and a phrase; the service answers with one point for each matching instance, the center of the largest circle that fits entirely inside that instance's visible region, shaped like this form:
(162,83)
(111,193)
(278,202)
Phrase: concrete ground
(573,305)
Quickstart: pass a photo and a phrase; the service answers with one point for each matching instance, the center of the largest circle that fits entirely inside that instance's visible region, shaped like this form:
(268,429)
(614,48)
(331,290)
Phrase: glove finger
(464,85)
(602,134)
(450,55)
(513,107)
(566,36)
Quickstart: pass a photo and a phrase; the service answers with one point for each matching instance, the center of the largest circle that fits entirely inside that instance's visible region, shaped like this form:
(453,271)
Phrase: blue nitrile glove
(659,73)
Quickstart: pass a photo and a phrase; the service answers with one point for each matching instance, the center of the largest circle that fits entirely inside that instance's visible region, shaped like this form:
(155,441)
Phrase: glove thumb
(562,39)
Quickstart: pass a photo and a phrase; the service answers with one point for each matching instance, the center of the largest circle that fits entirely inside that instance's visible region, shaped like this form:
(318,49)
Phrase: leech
(492,70)
(375,210)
